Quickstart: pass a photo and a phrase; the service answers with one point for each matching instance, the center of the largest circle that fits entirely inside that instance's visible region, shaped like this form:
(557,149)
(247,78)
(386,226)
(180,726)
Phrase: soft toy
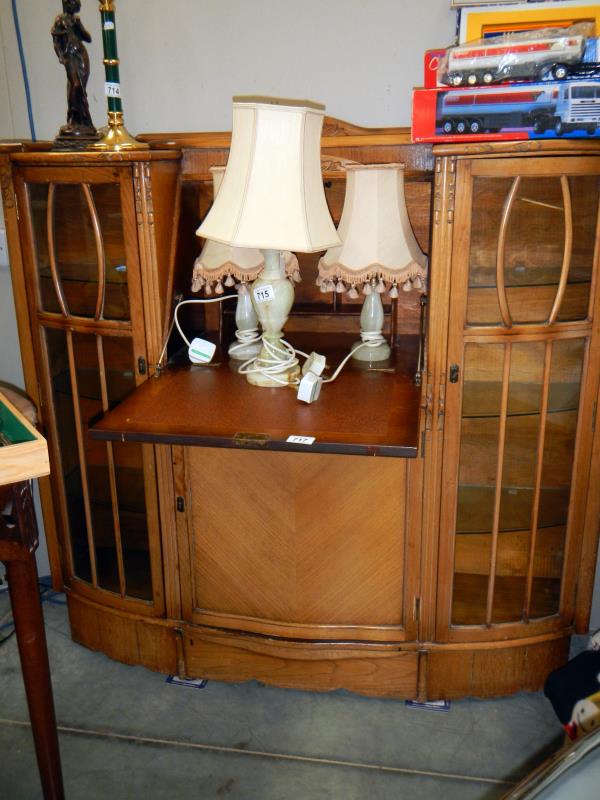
(574,691)
(585,716)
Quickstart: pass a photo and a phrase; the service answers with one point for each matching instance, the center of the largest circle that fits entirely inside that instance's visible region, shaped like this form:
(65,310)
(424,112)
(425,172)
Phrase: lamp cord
(245,337)
(370,339)
(175,322)
(279,359)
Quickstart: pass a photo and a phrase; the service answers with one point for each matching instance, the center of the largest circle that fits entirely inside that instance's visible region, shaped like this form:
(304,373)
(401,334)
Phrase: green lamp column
(115,136)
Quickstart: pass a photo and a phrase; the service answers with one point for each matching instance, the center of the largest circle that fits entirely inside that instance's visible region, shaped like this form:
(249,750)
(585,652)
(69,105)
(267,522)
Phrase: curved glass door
(84,311)
(526,327)
(519,419)
(82,265)
(532,249)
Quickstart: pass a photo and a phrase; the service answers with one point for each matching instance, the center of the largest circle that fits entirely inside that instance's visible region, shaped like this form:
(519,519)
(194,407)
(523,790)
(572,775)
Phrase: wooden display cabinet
(514,358)
(91,251)
(458,560)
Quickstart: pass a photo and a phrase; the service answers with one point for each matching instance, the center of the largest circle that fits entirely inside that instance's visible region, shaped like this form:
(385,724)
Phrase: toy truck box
(544,110)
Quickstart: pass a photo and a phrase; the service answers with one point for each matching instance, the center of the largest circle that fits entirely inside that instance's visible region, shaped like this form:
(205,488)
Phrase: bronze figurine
(68,36)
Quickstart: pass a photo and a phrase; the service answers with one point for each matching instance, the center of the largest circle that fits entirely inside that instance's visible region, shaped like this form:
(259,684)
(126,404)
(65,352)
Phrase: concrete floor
(125,733)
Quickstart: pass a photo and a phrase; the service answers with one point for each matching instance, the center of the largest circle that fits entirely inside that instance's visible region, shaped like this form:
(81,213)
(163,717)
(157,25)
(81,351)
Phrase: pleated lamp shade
(221,264)
(378,243)
(272,195)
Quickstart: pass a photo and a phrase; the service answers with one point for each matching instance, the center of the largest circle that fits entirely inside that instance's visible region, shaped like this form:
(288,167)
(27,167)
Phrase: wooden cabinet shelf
(130,482)
(525,306)
(482,398)
(119,383)
(86,274)
(470,593)
(521,276)
(516,503)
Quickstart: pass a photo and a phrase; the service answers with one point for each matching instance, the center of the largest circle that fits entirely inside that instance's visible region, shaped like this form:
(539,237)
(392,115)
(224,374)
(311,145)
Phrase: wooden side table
(24,455)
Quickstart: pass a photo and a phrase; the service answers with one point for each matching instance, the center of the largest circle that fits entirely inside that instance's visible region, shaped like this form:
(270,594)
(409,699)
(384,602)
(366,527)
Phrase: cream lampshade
(379,250)
(272,198)
(221,265)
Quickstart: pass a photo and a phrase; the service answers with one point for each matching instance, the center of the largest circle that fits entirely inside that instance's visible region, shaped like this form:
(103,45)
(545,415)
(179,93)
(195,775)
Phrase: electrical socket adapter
(315,363)
(310,388)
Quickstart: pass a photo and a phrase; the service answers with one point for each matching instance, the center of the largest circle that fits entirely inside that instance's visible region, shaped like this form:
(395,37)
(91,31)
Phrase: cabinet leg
(31,638)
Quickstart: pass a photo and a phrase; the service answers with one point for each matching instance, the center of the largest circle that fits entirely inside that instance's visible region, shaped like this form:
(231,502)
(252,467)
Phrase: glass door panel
(103,482)
(66,431)
(80,249)
(565,371)
(519,420)
(38,204)
(106,199)
(532,247)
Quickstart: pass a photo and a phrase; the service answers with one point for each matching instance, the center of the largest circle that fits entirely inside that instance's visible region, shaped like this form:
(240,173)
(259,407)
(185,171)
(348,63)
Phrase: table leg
(31,638)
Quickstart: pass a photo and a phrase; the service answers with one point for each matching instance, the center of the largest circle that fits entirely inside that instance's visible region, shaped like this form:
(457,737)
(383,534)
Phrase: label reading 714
(264,293)
(112,89)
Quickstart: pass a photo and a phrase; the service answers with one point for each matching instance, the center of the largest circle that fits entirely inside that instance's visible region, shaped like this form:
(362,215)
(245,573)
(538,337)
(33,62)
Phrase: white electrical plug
(315,363)
(310,388)
(201,351)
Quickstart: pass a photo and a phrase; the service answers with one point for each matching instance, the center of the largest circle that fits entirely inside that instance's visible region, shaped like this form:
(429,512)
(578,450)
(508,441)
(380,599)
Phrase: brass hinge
(250,439)
(442,405)
(180,503)
(428,406)
(417,609)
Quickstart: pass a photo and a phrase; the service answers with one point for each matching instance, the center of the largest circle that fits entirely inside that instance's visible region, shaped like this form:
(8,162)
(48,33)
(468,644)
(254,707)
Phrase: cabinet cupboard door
(307,546)
(519,409)
(83,277)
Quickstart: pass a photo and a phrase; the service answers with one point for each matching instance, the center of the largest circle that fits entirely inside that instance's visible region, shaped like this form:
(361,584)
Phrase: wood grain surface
(364,412)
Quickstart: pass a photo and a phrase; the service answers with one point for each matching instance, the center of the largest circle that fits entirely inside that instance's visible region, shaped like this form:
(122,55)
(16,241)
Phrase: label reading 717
(264,293)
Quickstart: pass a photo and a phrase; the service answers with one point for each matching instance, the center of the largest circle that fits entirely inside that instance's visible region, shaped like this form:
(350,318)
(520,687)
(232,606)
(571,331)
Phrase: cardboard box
(430,67)
(504,112)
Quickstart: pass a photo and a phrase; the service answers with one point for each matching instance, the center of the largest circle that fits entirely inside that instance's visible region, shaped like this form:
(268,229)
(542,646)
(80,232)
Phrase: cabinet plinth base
(402,671)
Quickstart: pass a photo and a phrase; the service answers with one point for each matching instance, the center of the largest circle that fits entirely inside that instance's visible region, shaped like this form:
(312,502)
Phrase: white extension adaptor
(315,363)
(310,388)
(310,385)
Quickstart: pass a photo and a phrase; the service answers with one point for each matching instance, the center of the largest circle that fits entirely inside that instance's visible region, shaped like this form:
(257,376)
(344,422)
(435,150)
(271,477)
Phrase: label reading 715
(264,293)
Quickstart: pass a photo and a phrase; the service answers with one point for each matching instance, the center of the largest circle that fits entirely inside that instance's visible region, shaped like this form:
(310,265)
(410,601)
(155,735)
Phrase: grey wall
(183,60)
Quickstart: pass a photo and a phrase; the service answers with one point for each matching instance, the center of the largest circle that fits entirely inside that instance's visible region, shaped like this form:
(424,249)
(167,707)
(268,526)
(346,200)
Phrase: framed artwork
(481,22)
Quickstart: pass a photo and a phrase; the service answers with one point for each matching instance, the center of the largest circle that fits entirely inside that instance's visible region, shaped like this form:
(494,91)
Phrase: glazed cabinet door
(82,270)
(520,393)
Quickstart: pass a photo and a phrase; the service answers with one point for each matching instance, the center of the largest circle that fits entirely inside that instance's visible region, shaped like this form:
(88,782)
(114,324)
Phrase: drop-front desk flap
(365,411)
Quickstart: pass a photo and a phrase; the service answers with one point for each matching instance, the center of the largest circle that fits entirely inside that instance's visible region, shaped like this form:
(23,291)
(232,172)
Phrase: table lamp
(272,199)
(222,265)
(379,251)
